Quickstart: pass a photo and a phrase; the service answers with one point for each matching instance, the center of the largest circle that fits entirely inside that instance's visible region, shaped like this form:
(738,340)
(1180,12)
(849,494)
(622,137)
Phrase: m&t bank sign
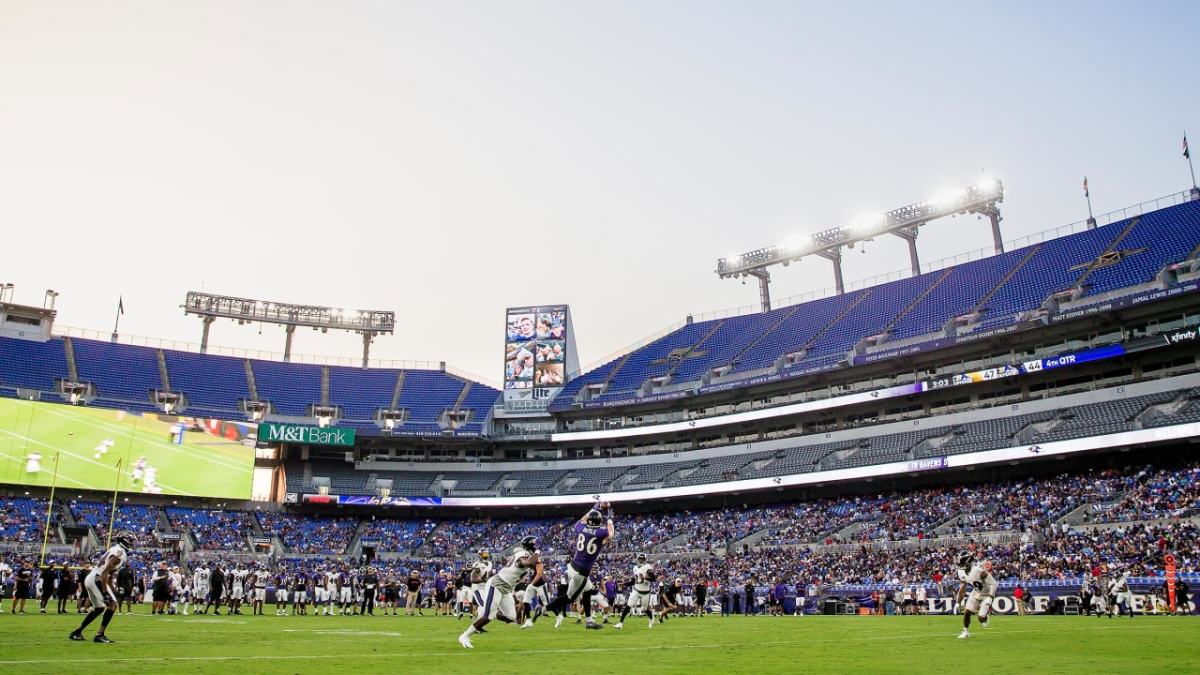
(275,432)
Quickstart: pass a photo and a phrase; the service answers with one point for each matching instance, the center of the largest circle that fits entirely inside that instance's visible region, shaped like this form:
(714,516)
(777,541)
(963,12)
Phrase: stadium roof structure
(366,322)
(904,222)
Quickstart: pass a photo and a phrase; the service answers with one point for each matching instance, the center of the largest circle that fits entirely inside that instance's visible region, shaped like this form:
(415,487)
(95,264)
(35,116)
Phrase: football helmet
(125,539)
(529,543)
(593,518)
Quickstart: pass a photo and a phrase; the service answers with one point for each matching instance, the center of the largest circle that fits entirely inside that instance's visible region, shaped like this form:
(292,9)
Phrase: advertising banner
(277,432)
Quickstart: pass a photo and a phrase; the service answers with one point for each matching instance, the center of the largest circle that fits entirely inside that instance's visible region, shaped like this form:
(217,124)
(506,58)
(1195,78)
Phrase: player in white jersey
(179,600)
(258,580)
(1118,593)
(481,570)
(981,584)
(329,579)
(200,580)
(237,589)
(639,591)
(100,586)
(498,598)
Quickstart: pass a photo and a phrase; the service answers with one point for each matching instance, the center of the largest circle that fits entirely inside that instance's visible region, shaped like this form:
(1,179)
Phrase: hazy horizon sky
(446,160)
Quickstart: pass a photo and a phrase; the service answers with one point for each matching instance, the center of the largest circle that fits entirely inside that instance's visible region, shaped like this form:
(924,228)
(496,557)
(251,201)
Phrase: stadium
(984,459)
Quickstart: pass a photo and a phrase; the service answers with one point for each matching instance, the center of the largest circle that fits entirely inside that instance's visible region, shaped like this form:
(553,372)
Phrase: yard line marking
(940,635)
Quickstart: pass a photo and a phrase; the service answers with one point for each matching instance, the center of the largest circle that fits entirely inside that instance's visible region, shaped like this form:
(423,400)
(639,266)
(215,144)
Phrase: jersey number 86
(586,543)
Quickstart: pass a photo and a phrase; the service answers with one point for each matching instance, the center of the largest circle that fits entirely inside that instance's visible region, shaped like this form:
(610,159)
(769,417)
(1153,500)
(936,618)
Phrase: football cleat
(102,639)
(618,626)
(77,636)
(465,641)
(964,634)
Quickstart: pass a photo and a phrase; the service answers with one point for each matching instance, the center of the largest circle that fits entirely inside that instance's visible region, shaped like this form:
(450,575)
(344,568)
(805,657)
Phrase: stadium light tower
(982,198)
(366,322)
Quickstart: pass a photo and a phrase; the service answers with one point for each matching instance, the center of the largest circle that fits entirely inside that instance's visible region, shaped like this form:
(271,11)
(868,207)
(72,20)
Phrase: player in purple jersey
(591,533)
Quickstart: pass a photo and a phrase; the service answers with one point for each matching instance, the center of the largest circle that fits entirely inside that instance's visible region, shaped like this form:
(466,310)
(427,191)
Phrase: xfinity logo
(273,432)
(1182,336)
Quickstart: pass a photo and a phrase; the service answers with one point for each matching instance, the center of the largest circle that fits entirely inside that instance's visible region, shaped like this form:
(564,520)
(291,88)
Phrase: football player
(498,598)
(639,591)
(481,571)
(100,586)
(536,591)
(1118,594)
(671,597)
(591,533)
(979,579)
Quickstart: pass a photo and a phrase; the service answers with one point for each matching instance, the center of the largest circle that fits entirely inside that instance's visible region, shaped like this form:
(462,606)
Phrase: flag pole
(1188,154)
(117,321)
(1091,221)
(112,512)
(49,510)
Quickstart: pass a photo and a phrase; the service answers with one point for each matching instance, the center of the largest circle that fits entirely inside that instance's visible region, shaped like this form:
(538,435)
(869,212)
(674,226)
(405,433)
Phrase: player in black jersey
(670,598)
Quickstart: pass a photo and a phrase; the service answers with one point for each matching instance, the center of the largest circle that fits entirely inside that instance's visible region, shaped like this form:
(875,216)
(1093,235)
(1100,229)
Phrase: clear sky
(448,159)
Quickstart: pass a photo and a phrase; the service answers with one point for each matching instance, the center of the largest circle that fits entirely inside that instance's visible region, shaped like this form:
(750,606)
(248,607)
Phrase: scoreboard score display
(539,352)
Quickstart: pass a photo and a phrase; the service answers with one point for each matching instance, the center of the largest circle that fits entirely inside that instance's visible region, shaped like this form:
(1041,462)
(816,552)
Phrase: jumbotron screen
(157,454)
(535,349)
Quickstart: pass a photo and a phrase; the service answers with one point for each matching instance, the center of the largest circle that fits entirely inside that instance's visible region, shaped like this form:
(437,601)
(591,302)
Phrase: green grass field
(204,465)
(270,644)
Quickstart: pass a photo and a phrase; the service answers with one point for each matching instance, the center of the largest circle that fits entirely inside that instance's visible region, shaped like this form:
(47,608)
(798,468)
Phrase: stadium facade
(1069,353)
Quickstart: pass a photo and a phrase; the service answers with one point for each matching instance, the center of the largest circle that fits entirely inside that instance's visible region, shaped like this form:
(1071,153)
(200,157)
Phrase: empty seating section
(794,332)
(290,387)
(1056,266)
(360,392)
(479,401)
(473,481)
(956,295)
(32,365)
(537,483)
(756,342)
(426,395)
(652,360)
(985,435)
(1167,236)
(726,342)
(870,316)
(1105,417)
(594,480)
(213,384)
(653,473)
(118,372)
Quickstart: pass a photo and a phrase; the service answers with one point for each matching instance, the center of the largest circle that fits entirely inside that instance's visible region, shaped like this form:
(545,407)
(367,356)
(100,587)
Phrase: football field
(89,442)
(270,644)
